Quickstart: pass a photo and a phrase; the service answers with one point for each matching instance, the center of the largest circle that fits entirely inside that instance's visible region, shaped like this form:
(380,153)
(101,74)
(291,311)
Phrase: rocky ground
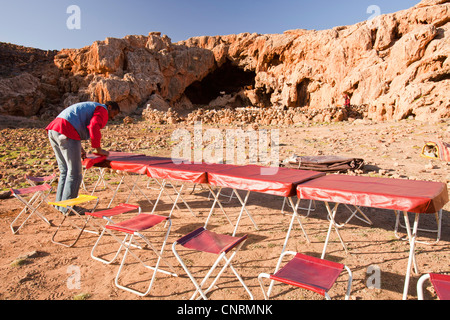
(32,267)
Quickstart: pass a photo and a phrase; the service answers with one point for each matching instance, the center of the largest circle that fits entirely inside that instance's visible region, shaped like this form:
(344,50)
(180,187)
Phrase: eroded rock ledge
(394,67)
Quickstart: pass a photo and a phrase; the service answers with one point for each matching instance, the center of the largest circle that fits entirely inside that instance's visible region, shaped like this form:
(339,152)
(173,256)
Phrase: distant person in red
(347,101)
(81,121)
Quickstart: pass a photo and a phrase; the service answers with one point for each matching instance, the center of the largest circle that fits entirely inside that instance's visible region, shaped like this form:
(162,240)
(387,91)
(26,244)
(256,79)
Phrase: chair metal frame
(107,215)
(307,286)
(232,245)
(69,204)
(436,281)
(40,194)
(132,230)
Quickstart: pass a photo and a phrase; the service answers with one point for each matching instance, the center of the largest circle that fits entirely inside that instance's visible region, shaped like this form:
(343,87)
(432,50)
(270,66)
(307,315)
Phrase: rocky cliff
(396,66)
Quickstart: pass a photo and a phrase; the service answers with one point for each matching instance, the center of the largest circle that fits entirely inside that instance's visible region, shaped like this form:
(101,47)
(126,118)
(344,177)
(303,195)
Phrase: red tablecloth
(385,193)
(275,181)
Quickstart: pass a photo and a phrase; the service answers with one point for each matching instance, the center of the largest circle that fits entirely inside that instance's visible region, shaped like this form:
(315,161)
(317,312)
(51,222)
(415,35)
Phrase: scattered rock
(5,194)
(128,120)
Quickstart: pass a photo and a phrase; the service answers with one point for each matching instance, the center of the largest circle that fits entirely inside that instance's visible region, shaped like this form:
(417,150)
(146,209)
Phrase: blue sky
(43,24)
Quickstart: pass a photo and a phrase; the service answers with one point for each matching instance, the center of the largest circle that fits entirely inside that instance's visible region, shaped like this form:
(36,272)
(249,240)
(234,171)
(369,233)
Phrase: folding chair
(135,227)
(34,181)
(440,282)
(71,211)
(308,273)
(39,195)
(203,240)
(107,215)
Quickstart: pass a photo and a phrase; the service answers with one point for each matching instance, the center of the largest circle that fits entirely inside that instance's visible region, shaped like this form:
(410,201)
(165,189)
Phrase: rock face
(396,66)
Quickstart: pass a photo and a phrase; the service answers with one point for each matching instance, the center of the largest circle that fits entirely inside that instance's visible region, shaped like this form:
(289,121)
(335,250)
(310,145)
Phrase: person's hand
(101,152)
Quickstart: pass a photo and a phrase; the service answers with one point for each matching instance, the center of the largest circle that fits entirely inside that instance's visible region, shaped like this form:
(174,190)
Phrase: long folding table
(418,197)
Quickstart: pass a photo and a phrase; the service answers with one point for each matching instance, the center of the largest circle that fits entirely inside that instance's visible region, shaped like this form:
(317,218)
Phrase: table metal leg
(243,203)
(332,215)
(216,200)
(412,243)
(294,216)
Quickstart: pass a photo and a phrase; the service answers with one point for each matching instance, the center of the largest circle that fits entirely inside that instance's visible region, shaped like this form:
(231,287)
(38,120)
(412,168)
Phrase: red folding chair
(440,282)
(107,215)
(34,181)
(203,240)
(135,227)
(308,273)
(32,198)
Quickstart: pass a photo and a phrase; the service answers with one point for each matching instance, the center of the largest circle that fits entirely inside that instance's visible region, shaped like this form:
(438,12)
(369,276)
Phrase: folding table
(182,172)
(90,161)
(267,180)
(418,197)
(132,163)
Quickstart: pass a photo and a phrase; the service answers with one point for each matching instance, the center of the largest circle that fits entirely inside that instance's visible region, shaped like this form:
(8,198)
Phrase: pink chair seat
(207,241)
(141,222)
(441,284)
(121,208)
(203,240)
(309,273)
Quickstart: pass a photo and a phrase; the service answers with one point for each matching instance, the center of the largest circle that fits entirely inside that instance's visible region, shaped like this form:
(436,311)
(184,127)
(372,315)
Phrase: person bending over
(81,121)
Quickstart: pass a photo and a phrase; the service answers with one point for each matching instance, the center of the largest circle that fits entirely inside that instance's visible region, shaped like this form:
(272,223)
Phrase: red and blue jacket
(82,121)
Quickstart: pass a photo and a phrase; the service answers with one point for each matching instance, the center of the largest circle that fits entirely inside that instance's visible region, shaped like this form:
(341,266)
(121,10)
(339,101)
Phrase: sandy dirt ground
(32,267)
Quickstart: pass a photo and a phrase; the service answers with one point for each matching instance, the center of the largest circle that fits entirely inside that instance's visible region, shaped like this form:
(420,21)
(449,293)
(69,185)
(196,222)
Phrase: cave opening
(227,79)
(303,97)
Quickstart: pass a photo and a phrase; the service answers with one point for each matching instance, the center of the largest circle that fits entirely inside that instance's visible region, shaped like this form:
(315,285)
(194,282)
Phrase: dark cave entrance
(227,79)
(303,97)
